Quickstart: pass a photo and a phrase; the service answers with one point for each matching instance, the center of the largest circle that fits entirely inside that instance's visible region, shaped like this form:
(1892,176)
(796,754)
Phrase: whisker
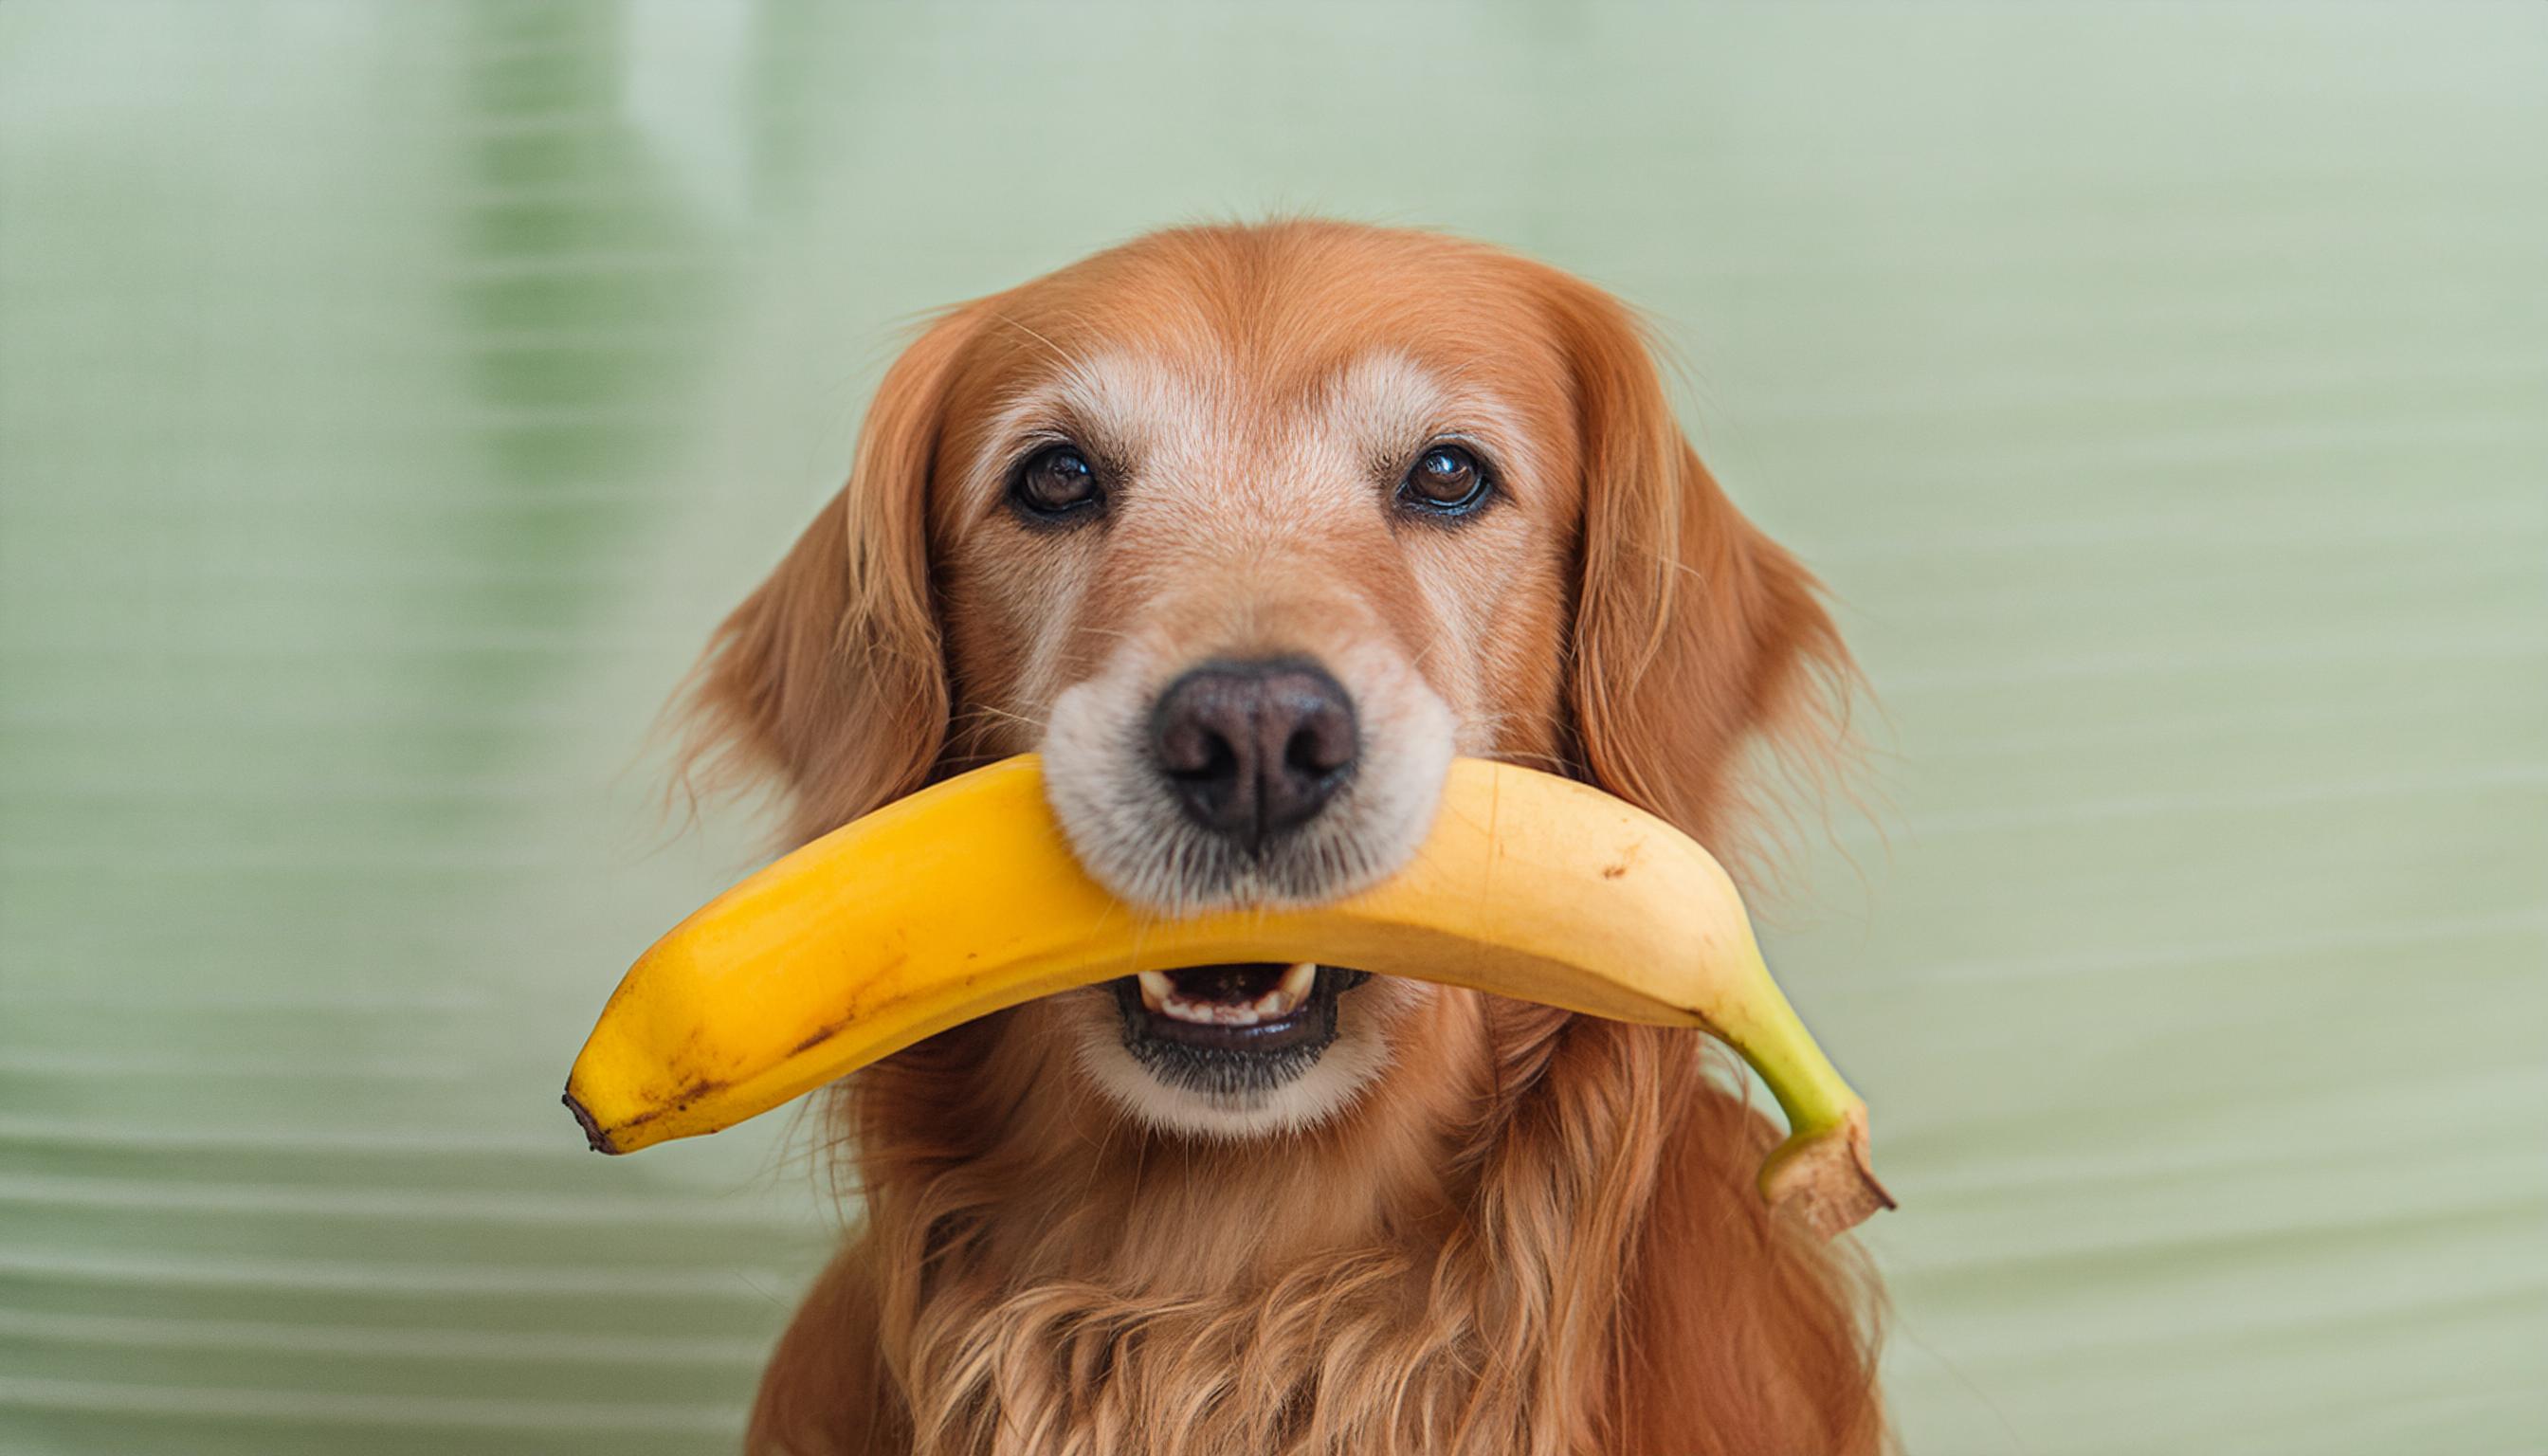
(985,710)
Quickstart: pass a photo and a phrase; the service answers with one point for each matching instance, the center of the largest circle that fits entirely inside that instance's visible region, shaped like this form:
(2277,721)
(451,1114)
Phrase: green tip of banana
(964,899)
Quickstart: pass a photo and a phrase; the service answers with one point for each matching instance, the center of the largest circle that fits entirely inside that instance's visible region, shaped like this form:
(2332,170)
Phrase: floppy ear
(832,676)
(1695,635)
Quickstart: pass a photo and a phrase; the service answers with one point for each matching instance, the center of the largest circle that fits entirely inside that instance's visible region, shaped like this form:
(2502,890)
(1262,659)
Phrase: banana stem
(1821,1173)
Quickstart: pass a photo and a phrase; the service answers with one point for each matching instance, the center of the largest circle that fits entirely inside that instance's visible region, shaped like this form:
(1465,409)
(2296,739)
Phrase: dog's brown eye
(1447,481)
(1054,480)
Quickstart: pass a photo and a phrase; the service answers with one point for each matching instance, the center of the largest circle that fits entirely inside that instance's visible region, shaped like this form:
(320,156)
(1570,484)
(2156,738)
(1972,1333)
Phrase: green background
(392,395)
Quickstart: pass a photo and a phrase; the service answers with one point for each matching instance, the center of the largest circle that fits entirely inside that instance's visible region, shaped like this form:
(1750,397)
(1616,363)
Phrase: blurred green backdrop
(392,395)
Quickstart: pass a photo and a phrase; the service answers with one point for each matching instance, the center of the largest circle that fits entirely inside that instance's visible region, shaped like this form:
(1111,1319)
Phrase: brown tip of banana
(594,1136)
(1824,1179)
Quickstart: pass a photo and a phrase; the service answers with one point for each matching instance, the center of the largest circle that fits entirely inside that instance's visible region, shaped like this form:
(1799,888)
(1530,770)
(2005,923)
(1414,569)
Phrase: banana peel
(964,898)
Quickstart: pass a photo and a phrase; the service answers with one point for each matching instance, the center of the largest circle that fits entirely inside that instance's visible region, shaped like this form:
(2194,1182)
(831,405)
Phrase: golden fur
(1531,1233)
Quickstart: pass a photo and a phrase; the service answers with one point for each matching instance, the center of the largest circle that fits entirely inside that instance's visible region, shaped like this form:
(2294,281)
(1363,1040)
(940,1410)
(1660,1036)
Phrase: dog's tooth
(1209,1012)
(1160,993)
(1288,993)
(1297,983)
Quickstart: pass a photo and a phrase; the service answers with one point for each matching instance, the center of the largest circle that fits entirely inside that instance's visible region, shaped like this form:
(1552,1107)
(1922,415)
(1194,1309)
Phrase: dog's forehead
(1374,402)
(1250,333)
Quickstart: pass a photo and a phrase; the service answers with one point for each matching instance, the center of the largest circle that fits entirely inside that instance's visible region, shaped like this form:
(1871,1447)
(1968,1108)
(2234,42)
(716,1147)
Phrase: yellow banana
(964,898)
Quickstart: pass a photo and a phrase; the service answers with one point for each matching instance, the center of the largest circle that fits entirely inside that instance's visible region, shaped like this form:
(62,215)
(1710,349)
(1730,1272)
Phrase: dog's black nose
(1252,749)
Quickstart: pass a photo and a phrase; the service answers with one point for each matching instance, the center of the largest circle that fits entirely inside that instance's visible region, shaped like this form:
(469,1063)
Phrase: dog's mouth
(1232,1029)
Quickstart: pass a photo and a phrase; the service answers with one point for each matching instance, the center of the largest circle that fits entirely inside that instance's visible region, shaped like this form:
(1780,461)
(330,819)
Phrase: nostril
(1205,756)
(1303,755)
(1322,744)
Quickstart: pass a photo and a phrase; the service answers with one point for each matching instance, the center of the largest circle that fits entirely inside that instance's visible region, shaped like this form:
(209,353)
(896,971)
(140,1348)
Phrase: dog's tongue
(1242,982)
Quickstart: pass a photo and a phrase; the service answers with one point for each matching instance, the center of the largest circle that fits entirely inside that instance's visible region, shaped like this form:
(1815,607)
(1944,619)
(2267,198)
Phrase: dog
(1248,530)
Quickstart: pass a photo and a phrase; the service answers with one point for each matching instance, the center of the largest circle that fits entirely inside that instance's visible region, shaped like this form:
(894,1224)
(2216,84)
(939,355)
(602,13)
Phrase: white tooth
(1159,995)
(1295,987)
(1209,1013)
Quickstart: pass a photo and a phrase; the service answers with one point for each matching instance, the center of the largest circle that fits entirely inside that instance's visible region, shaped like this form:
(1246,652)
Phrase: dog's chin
(1239,1051)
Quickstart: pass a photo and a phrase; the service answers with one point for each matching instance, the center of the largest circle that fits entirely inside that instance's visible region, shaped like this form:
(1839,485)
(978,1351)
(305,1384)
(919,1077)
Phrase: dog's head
(1250,530)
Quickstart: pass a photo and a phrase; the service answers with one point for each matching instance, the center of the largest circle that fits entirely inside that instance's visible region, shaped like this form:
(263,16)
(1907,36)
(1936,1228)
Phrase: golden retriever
(1248,530)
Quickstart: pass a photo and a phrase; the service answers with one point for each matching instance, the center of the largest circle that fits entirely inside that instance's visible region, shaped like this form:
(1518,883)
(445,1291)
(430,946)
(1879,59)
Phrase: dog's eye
(1055,480)
(1445,480)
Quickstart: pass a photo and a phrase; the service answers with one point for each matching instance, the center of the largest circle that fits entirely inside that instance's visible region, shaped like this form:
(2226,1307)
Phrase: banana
(964,898)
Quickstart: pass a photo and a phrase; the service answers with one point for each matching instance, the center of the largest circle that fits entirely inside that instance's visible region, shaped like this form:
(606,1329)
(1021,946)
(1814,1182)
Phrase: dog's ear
(832,676)
(1697,637)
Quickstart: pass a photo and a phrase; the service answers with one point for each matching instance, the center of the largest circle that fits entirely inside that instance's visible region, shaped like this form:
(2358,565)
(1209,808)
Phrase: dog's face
(1258,573)
(1249,532)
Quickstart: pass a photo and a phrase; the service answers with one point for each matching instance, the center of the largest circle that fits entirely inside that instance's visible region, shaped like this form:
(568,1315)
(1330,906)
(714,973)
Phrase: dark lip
(1178,1051)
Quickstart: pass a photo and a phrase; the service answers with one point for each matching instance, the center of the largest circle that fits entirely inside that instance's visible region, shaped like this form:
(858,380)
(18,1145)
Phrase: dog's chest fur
(1379,1289)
